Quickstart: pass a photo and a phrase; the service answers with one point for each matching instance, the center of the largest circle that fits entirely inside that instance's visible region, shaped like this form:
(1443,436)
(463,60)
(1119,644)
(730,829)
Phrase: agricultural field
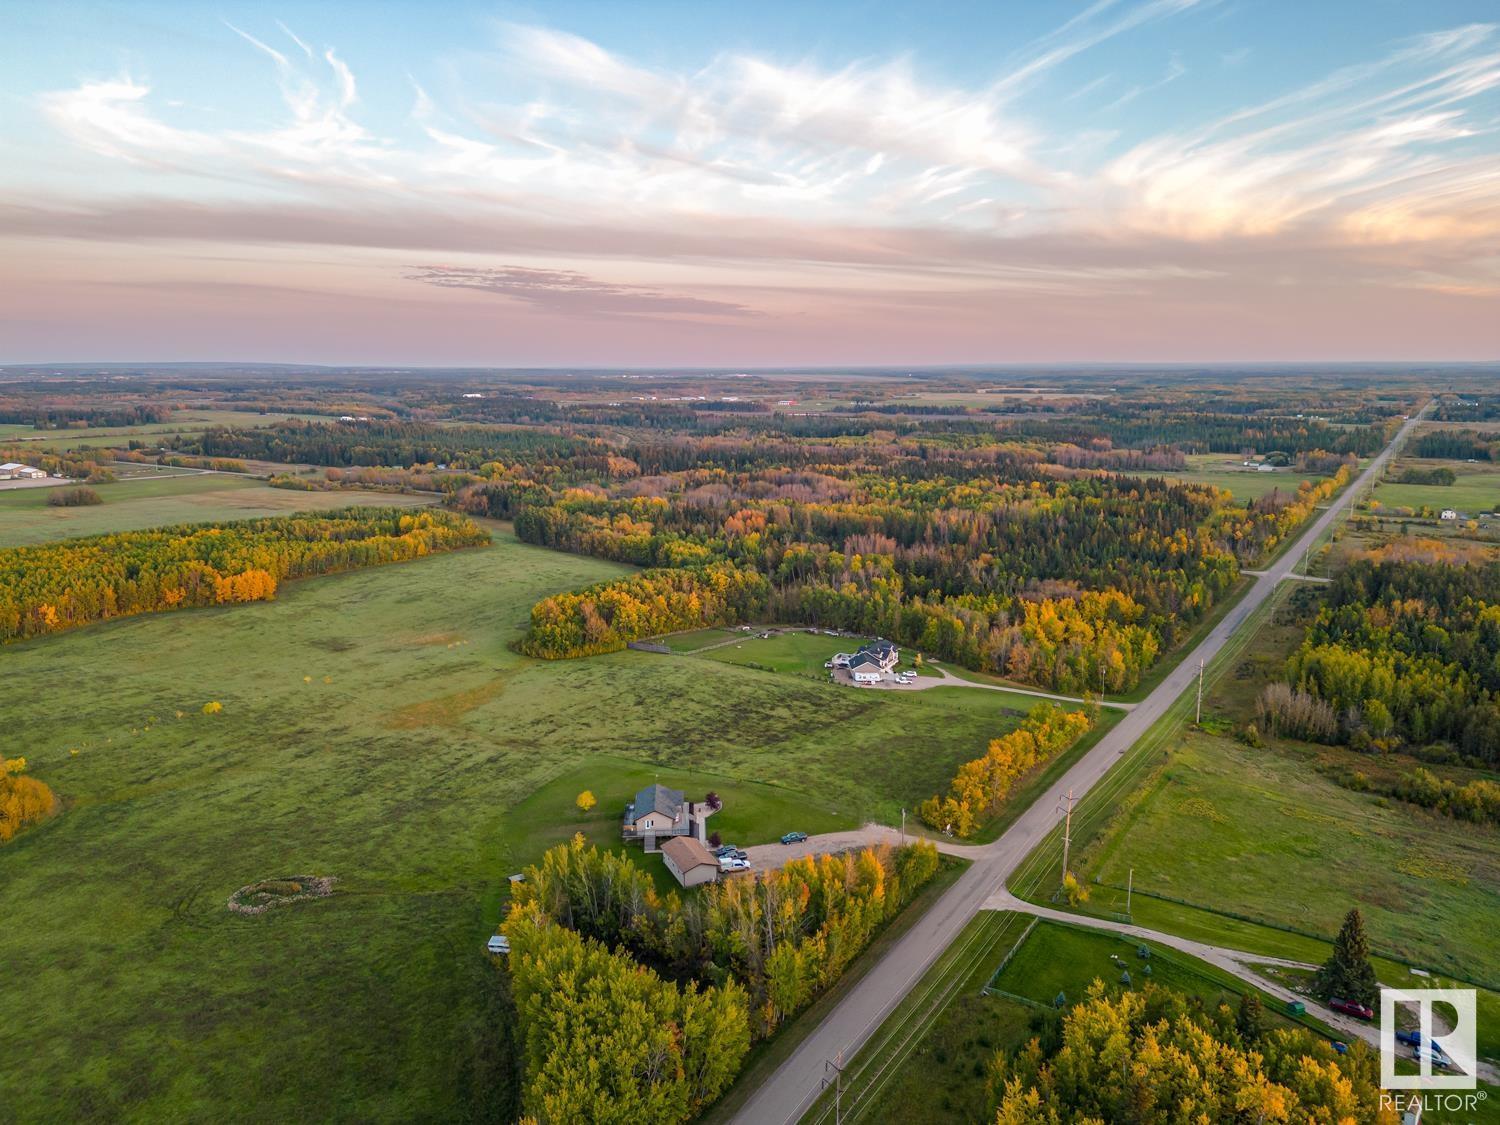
(1476,487)
(129,505)
(375,728)
(1243,484)
(182,421)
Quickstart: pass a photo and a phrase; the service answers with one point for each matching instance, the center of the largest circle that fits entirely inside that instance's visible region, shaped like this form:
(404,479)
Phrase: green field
(1476,489)
(182,421)
(1262,833)
(377,728)
(1242,484)
(26,517)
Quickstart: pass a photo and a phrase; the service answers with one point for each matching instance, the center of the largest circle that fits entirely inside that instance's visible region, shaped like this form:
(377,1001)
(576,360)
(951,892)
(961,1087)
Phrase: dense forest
(56,586)
(1075,579)
(1404,656)
(1157,1055)
(586,924)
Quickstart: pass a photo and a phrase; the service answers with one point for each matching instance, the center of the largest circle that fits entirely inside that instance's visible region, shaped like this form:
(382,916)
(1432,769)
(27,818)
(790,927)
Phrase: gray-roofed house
(659,813)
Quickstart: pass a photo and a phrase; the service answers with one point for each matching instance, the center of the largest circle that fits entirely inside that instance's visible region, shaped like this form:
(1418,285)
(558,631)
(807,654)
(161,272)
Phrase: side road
(1235,961)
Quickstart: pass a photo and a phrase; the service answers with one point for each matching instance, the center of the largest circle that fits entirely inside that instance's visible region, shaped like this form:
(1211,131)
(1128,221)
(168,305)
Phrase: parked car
(1410,1038)
(1436,1054)
(1350,1008)
(725,849)
(794,837)
(498,944)
(1340,1047)
(731,863)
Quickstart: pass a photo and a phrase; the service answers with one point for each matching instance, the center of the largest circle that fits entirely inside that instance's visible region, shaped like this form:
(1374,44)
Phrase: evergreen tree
(1348,974)
(1251,1018)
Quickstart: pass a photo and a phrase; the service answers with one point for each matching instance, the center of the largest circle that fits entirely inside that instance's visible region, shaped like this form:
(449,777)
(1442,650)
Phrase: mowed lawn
(377,728)
(1260,833)
(26,517)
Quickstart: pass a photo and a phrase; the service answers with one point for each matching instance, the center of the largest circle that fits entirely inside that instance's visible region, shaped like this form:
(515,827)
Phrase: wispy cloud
(864,179)
(571,293)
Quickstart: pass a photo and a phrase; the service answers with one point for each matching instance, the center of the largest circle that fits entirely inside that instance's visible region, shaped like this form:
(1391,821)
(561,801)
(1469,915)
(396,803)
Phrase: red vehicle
(1350,1008)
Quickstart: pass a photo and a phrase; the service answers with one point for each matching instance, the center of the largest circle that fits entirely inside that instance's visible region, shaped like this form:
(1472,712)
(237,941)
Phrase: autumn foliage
(23,800)
(606,617)
(56,586)
(1155,1055)
(981,786)
(772,943)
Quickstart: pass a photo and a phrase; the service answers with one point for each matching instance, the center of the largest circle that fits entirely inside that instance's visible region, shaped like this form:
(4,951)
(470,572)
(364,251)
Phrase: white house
(689,861)
(14,470)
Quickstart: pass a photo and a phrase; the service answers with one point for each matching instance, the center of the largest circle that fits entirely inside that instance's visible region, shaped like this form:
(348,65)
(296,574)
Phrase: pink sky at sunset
(540,197)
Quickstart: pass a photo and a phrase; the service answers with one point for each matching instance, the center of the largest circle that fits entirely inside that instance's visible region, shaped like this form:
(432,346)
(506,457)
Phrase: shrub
(73,497)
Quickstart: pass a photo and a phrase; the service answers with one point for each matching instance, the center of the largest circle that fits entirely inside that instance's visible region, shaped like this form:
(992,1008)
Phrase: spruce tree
(1251,1018)
(1348,974)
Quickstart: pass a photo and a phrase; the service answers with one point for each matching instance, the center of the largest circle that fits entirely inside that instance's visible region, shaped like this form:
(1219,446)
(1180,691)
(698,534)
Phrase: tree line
(753,950)
(55,586)
(981,787)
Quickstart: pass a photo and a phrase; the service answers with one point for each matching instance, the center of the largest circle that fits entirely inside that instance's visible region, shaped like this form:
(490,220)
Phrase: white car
(498,944)
(729,863)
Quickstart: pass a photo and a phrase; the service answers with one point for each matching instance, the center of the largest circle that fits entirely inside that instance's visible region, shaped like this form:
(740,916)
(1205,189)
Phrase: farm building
(689,861)
(14,470)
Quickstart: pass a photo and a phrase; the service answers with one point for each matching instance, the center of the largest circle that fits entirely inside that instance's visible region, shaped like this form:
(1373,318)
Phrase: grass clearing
(375,728)
(129,505)
(1476,487)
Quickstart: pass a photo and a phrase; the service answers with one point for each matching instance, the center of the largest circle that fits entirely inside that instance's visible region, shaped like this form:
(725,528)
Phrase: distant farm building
(14,470)
(689,861)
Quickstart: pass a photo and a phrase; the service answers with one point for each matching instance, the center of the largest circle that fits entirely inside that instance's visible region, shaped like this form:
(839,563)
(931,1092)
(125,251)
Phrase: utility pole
(903,828)
(836,1064)
(1198,721)
(1129,888)
(1067,828)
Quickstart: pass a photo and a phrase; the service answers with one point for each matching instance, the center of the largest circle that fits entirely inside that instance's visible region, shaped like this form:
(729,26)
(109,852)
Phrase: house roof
(658,798)
(862,661)
(13,465)
(686,853)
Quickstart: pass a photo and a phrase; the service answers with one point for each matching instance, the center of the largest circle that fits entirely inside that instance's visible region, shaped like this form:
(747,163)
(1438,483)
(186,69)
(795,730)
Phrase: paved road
(786,1095)
(764,856)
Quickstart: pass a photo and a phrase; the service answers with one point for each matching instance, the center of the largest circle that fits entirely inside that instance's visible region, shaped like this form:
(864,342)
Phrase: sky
(750,184)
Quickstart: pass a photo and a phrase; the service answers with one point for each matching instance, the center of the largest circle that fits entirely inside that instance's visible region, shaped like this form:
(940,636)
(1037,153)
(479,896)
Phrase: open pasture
(376,728)
(26,517)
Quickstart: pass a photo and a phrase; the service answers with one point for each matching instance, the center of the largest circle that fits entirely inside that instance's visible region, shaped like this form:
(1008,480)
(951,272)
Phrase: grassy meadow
(376,728)
(181,422)
(1476,489)
(26,517)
